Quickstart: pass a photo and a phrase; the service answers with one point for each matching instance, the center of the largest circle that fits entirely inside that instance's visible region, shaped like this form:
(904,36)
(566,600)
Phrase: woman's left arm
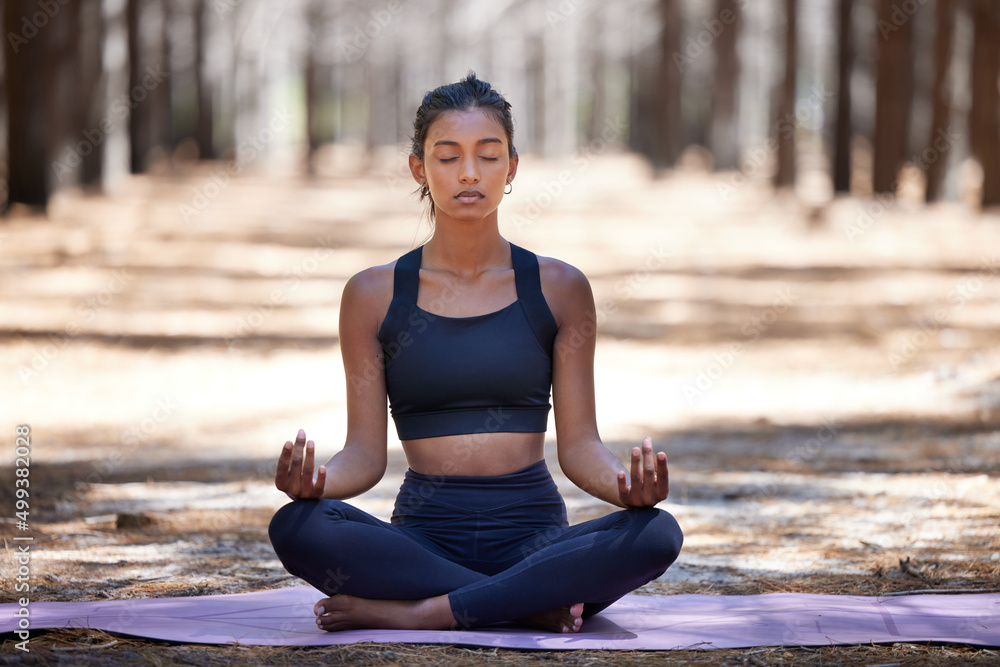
(583,457)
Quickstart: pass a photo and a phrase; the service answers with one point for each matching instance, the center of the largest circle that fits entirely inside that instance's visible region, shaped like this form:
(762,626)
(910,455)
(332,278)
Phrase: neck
(466,247)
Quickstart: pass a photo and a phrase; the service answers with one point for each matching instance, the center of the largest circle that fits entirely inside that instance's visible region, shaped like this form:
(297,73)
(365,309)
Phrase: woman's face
(466,164)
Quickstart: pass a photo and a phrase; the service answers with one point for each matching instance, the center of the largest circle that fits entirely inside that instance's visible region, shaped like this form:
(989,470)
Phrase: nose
(469,172)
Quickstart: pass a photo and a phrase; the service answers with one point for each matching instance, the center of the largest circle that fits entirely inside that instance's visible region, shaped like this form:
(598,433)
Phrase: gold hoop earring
(507,192)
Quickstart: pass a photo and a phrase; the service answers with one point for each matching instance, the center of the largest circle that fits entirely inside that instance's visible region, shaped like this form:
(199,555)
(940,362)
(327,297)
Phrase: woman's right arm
(362,462)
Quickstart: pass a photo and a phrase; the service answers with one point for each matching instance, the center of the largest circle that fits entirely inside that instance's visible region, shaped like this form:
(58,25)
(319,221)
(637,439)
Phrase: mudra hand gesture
(295,470)
(649,482)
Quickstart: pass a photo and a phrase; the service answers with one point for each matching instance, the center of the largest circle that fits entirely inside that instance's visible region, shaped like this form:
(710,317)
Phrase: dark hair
(469,93)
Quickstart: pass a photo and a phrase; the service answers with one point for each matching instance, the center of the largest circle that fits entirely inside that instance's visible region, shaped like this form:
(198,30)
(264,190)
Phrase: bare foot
(346,612)
(563,619)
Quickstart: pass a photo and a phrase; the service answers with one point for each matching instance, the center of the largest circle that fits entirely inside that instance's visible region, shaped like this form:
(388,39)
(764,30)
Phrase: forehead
(466,126)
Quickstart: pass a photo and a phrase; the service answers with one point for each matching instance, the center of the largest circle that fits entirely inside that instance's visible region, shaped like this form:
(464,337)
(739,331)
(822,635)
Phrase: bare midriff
(477,454)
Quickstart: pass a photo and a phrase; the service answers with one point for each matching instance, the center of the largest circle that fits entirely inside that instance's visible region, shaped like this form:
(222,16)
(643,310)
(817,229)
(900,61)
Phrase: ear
(512,168)
(417,169)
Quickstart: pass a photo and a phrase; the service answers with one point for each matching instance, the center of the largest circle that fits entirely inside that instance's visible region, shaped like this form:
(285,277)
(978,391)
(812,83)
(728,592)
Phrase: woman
(466,335)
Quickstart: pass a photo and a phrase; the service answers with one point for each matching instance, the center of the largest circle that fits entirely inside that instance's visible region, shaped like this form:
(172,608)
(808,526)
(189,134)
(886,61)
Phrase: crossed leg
(386,577)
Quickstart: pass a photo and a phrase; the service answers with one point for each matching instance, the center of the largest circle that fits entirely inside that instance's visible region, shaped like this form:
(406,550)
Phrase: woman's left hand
(649,483)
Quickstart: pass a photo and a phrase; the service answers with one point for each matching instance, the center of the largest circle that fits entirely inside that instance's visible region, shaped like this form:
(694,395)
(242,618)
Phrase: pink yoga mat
(284,617)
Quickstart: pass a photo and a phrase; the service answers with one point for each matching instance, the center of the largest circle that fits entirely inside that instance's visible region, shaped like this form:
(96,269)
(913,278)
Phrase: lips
(469,196)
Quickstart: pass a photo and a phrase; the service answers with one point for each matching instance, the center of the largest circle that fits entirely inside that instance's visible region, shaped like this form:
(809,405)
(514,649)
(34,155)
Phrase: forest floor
(825,378)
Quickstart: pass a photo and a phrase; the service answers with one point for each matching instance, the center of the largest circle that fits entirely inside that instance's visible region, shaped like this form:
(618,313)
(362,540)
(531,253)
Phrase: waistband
(531,489)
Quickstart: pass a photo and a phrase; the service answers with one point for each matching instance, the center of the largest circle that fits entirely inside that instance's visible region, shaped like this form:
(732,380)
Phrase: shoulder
(367,295)
(566,289)
(371,282)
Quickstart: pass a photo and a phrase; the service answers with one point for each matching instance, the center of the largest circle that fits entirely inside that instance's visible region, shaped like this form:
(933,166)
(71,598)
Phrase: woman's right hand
(295,470)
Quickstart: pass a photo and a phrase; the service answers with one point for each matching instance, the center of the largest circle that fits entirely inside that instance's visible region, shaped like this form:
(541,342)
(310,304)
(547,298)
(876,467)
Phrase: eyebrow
(488,140)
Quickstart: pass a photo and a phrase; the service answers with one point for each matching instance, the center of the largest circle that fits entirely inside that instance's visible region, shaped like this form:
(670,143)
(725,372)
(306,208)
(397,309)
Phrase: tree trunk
(666,119)
(724,133)
(314,25)
(984,117)
(536,86)
(139,126)
(940,99)
(784,126)
(91,90)
(28,155)
(203,131)
(597,107)
(893,94)
(163,112)
(845,62)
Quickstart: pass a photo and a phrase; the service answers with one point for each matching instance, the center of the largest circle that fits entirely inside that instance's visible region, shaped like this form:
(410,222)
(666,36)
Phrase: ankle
(434,614)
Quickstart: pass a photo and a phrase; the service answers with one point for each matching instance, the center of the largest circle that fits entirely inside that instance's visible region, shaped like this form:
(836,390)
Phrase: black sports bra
(460,375)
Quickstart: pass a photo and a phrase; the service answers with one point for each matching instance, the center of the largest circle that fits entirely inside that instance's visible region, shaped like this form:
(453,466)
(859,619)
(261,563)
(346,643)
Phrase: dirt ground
(823,375)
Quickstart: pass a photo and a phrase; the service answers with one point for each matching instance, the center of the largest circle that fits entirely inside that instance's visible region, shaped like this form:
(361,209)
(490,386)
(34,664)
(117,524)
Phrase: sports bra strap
(529,292)
(406,286)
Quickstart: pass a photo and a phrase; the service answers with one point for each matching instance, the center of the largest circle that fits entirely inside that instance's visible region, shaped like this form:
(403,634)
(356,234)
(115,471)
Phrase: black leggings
(500,547)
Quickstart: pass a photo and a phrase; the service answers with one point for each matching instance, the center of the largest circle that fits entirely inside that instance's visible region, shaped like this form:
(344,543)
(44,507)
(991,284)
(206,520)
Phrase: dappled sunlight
(828,396)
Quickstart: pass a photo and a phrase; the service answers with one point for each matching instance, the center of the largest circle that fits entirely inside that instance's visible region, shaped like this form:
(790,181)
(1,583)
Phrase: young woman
(465,336)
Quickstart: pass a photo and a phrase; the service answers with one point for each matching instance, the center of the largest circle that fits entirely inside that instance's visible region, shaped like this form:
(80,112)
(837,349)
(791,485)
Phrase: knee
(660,535)
(288,525)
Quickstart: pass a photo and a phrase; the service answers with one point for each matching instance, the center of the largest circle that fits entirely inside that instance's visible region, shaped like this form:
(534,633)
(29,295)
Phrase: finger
(635,486)
(320,481)
(307,466)
(281,474)
(662,476)
(300,443)
(648,462)
(623,487)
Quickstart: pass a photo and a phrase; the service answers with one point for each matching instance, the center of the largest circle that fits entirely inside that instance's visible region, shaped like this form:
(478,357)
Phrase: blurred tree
(203,130)
(314,27)
(29,179)
(940,96)
(60,72)
(91,91)
(597,70)
(724,133)
(536,87)
(139,122)
(784,175)
(893,94)
(984,117)
(845,63)
(666,118)
(163,113)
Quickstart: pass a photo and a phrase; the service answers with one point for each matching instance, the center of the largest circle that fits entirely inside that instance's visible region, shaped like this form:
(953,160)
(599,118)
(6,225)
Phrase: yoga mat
(636,622)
